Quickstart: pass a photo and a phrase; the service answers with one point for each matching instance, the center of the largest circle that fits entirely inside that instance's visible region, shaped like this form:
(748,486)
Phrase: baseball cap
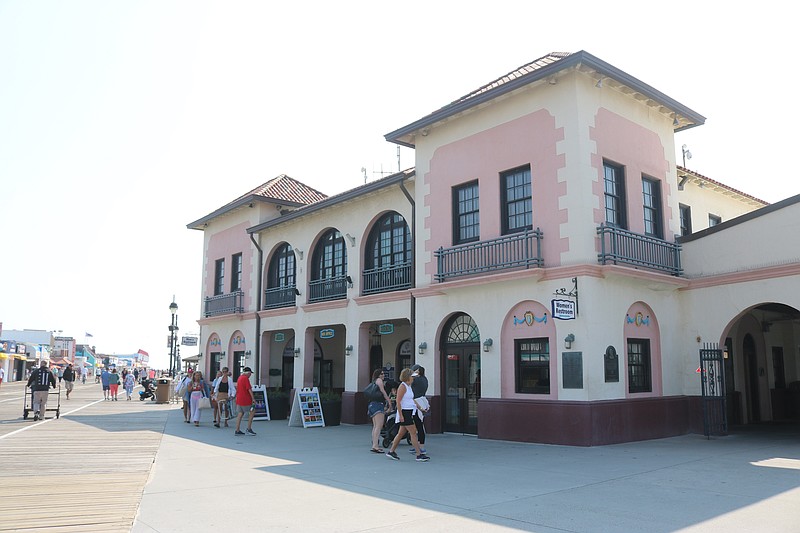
(247,369)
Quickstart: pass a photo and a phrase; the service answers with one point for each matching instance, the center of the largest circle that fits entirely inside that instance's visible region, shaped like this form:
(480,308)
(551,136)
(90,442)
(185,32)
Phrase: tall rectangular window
(236,270)
(639,370)
(651,203)
(516,203)
(614,184)
(686,219)
(533,365)
(713,220)
(219,277)
(466,213)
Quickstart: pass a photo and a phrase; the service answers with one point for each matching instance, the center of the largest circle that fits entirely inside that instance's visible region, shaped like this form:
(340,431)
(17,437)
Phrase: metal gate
(712,375)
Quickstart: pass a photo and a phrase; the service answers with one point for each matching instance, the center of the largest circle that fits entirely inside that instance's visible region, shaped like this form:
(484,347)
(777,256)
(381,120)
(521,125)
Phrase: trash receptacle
(162,390)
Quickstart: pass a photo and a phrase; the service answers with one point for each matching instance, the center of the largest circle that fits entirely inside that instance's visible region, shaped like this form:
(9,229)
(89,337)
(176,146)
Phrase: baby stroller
(148,392)
(390,429)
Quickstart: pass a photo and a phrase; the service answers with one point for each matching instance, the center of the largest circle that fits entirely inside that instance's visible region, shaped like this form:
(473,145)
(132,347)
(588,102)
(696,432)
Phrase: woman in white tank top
(405,417)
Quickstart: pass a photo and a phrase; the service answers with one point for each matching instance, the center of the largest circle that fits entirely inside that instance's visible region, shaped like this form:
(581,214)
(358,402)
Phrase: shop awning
(192,359)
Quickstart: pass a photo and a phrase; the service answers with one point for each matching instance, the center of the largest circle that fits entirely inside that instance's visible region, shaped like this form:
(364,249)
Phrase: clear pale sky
(123,121)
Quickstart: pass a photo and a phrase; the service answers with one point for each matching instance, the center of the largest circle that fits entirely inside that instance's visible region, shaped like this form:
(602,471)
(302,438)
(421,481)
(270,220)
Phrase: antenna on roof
(364,170)
(382,172)
(686,154)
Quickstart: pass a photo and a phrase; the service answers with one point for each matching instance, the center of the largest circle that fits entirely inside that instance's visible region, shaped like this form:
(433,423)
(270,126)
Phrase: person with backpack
(40,382)
(375,394)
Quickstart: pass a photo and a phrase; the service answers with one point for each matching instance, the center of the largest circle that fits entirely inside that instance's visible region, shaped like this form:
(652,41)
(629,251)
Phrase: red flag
(142,352)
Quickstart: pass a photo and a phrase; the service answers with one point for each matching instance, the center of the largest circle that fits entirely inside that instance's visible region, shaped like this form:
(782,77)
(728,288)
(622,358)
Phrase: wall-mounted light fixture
(599,83)
(348,349)
(297,352)
(350,239)
(222,354)
(296,291)
(422,347)
(487,344)
(248,353)
(299,253)
(349,282)
(675,122)
(568,340)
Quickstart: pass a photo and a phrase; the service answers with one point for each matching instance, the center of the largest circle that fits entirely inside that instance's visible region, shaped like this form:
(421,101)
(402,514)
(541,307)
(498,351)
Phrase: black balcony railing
(276,297)
(386,279)
(322,290)
(620,246)
(520,250)
(224,304)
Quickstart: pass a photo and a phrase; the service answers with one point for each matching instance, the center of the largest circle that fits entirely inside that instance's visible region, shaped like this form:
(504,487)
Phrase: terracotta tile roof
(280,190)
(524,70)
(699,176)
(285,189)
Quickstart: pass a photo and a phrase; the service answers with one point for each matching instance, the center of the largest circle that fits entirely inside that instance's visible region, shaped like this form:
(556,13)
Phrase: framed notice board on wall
(307,409)
(261,406)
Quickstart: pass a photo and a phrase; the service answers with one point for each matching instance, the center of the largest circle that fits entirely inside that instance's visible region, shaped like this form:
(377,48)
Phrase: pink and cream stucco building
(547,261)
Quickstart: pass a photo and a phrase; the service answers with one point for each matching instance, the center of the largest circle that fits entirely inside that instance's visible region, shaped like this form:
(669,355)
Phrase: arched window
(329,264)
(461,330)
(388,256)
(281,281)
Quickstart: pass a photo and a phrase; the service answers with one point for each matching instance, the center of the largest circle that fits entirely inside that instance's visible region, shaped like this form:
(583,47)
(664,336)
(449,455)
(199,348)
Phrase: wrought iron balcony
(386,279)
(224,304)
(322,290)
(284,296)
(519,250)
(620,246)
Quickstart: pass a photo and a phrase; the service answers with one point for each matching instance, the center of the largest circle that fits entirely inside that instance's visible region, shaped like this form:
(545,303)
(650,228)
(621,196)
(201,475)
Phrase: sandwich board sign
(260,406)
(306,409)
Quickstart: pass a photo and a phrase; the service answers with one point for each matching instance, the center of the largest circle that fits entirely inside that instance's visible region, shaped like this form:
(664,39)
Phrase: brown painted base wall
(588,423)
(569,423)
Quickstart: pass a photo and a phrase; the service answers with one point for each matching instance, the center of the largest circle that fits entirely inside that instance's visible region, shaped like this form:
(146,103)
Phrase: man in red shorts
(245,402)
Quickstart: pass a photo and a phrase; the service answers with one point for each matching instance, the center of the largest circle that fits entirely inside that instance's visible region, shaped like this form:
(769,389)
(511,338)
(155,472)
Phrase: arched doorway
(761,364)
(461,375)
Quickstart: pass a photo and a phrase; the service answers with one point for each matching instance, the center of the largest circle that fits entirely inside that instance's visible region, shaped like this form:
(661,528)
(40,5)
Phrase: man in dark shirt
(420,387)
(40,382)
(69,379)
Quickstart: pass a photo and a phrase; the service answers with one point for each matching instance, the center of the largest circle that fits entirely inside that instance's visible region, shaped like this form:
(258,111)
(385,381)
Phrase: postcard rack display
(307,409)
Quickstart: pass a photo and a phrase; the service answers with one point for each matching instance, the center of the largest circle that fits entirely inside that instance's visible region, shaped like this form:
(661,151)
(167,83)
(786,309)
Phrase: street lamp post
(173,338)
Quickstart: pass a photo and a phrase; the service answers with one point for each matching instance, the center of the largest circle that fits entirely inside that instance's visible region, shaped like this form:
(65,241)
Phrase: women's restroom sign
(563,309)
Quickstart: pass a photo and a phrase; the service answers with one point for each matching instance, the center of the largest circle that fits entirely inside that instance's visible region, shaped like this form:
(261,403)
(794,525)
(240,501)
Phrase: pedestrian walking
(405,417)
(198,389)
(182,390)
(420,387)
(105,379)
(245,402)
(224,389)
(376,409)
(113,384)
(2,374)
(40,382)
(69,379)
(129,383)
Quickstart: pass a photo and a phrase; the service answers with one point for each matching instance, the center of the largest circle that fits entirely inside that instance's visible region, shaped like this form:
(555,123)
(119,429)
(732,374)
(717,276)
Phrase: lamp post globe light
(173,337)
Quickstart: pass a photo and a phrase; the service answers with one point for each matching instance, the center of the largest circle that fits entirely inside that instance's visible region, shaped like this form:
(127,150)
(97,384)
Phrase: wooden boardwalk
(85,471)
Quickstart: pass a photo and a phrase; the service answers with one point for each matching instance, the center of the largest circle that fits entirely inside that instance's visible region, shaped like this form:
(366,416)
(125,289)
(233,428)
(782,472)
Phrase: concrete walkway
(325,479)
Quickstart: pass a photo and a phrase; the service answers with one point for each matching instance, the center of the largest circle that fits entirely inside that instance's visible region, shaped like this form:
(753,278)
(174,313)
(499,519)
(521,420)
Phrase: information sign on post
(261,406)
(306,409)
